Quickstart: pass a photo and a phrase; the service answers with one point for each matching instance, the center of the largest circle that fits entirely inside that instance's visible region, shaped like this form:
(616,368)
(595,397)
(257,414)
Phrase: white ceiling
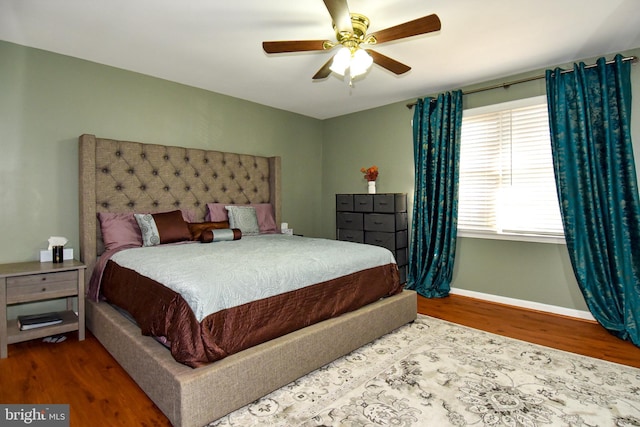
(216,45)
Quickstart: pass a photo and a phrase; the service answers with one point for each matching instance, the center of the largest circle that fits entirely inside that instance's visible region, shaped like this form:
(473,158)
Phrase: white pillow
(244,218)
(150,233)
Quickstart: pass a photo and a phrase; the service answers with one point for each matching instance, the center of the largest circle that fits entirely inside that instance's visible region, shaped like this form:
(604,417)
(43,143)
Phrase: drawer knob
(378,222)
(44,289)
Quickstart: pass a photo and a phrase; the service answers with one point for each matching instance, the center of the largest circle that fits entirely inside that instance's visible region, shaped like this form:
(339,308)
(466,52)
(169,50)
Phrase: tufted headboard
(123,176)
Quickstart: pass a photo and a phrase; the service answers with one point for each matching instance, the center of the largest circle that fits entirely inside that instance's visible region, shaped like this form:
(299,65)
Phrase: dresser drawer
(402,256)
(356,236)
(36,287)
(385,222)
(402,271)
(402,239)
(349,220)
(380,222)
(389,203)
(378,238)
(344,202)
(363,202)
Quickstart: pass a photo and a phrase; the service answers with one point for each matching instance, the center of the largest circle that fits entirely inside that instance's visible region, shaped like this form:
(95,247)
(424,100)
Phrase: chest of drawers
(375,219)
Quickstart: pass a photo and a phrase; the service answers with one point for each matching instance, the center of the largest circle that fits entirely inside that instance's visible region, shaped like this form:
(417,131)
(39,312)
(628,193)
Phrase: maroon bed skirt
(161,312)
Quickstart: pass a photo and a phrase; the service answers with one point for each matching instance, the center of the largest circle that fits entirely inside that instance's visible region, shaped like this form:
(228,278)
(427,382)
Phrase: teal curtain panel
(589,118)
(437,124)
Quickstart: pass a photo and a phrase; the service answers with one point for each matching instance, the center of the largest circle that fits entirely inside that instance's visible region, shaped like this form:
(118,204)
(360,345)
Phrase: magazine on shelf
(32,321)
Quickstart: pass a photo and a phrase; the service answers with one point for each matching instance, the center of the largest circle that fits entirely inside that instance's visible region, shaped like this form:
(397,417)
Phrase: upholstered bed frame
(120,176)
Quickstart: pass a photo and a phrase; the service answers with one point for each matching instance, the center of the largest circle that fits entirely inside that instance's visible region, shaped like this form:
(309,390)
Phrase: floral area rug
(435,373)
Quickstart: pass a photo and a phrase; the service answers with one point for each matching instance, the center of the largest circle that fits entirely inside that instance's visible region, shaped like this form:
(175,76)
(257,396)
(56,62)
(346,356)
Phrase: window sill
(536,238)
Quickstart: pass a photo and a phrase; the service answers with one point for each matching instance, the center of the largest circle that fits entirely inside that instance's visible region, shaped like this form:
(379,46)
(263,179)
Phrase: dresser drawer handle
(383,203)
(379,241)
(362,203)
(348,220)
(378,222)
(43,279)
(44,290)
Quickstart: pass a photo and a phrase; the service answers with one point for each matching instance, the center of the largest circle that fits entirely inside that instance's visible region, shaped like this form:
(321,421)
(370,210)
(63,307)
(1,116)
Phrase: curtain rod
(633,60)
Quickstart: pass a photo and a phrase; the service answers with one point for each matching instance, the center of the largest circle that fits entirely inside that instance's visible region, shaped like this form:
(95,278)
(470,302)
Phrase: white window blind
(507,184)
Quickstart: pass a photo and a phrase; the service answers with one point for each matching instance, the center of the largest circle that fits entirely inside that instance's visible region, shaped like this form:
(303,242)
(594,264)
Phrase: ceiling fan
(351,33)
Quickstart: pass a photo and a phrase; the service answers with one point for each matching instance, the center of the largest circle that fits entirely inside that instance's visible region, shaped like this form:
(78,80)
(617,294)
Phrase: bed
(121,176)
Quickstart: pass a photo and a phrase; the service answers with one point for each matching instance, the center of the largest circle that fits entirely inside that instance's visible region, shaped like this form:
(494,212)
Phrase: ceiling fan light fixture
(360,63)
(351,32)
(357,62)
(341,61)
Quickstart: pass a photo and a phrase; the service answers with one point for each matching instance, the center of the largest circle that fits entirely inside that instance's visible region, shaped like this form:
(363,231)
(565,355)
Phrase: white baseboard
(579,314)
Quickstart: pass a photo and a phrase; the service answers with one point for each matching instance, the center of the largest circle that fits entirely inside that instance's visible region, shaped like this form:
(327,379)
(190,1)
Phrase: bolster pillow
(220,235)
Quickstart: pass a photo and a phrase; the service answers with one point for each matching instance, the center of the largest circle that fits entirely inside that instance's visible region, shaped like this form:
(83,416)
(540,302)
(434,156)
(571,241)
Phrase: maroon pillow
(161,228)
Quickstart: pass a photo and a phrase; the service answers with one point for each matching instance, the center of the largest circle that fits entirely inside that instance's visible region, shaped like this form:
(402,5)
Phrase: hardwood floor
(564,333)
(99,392)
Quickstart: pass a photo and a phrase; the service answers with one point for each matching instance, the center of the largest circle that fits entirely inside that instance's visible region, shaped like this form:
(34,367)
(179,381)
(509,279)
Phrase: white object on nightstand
(47,256)
(284,229)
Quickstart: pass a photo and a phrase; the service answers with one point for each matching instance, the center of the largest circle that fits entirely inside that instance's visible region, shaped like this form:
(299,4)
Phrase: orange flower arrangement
(371,173)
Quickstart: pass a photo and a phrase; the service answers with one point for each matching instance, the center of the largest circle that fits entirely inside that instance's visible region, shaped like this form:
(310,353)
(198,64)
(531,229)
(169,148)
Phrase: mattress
(285,291)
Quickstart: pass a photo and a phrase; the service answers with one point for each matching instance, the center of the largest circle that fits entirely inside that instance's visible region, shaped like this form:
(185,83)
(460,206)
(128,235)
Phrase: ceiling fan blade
(324,72)
(423,25)
(293,46)
(339,11)
(388,63)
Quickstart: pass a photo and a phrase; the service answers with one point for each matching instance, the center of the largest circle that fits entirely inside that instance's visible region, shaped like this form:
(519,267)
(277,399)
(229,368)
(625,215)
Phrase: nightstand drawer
(349,220)
(36,287)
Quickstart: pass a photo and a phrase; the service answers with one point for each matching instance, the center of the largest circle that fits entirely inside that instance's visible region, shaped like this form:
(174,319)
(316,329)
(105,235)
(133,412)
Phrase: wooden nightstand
(38,281)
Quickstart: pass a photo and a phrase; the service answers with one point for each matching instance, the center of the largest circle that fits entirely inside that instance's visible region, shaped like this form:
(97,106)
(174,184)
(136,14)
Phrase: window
(507,185)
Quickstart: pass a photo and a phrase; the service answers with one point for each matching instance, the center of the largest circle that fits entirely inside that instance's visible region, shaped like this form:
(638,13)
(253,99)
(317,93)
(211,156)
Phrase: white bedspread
(215,276)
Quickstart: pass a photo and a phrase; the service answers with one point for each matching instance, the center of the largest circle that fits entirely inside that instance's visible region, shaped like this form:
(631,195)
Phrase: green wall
(537,272)
(47,100)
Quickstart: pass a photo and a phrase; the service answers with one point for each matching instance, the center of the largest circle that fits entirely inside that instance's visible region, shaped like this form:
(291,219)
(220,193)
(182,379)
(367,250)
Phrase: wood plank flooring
(564,333)
(100,393)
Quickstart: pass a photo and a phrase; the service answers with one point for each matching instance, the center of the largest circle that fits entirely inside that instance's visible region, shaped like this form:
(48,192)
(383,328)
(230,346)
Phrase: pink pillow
(264,213)
(121,228)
